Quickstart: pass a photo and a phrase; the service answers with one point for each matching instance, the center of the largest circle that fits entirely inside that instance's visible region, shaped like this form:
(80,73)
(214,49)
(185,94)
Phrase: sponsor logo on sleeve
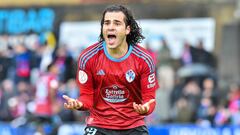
(151,80)
(82,77)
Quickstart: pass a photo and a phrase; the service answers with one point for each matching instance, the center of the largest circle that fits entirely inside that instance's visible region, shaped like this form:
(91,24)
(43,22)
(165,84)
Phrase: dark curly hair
(135,36)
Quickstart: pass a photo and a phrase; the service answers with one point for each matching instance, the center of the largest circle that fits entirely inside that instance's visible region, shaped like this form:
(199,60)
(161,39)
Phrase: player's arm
(84,81)
(149,85)
(145,108)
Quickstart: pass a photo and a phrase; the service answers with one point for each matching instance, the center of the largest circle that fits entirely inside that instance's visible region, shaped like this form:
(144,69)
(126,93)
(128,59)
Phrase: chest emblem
(130,75)
(115,94)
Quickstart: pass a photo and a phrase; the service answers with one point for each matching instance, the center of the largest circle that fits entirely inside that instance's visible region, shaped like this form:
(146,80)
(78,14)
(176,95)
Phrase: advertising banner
(79,35)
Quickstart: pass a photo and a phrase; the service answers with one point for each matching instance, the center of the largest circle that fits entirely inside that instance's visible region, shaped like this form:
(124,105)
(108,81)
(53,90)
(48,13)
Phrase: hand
(71,103)
(143,109)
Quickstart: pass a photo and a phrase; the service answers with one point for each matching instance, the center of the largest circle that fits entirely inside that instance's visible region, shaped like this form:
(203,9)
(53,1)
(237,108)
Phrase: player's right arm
(84,77)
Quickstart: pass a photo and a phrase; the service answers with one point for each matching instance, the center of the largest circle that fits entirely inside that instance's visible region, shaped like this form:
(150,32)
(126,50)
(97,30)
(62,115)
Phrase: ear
(128,29)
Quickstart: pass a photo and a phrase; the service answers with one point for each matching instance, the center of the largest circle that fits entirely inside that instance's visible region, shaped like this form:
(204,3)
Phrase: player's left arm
(145,108)
(149,85)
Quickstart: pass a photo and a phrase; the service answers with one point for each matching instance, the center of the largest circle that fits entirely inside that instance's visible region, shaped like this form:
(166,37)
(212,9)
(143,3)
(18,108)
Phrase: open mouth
(111,38)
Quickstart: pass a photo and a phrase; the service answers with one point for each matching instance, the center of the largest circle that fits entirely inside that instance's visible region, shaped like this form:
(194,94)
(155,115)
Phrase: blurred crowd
(33,80)
(190,91)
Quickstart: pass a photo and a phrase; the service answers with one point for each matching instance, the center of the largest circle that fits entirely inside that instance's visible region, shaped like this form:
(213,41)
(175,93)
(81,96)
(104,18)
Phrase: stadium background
(38,25)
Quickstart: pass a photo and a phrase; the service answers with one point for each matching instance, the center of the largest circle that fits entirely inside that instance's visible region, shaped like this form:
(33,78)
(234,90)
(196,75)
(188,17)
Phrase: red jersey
(109,86)
(46,83)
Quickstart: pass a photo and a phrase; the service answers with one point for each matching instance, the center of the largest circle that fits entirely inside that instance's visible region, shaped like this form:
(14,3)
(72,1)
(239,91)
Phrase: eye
(106,23)
(117,23)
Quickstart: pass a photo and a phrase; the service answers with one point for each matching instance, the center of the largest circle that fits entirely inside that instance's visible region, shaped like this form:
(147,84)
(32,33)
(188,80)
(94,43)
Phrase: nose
(111,26)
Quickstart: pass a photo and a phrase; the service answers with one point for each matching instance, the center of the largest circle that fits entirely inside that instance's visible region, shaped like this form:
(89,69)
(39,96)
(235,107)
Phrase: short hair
(135,36)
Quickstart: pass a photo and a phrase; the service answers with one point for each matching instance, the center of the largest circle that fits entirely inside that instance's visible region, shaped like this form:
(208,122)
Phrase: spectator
(192,94)
(182,111)
(64,61)
(47,103)
(234,104)
(209,102)
(186,57)
(164,54)
(4,66)
(7,93)
(200,55)
(22,62)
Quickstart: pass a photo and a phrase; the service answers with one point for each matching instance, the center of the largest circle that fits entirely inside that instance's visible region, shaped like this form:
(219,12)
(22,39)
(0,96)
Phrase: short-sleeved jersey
(109,86)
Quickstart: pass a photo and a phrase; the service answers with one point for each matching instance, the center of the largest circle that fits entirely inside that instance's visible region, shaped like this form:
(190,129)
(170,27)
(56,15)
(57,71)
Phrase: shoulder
(141,52)
(89,53)
(140,48)
(144,56)
(92,48)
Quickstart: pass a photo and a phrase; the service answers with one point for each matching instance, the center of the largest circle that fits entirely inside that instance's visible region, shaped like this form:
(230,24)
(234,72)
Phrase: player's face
(114,29)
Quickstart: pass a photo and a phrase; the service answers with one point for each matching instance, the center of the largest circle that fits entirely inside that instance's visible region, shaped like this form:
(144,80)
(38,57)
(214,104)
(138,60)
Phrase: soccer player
(116,78)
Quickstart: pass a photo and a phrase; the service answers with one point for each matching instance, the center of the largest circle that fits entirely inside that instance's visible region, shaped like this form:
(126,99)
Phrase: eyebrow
(113,21)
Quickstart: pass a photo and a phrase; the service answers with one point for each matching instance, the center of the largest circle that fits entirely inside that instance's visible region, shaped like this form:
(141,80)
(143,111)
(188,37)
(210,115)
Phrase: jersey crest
(130,75)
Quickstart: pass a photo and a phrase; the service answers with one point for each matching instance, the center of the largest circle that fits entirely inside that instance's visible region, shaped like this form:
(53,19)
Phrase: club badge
(130,75)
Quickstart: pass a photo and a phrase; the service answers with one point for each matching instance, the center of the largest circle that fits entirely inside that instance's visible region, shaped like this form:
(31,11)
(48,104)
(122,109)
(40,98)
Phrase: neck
(118,52)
